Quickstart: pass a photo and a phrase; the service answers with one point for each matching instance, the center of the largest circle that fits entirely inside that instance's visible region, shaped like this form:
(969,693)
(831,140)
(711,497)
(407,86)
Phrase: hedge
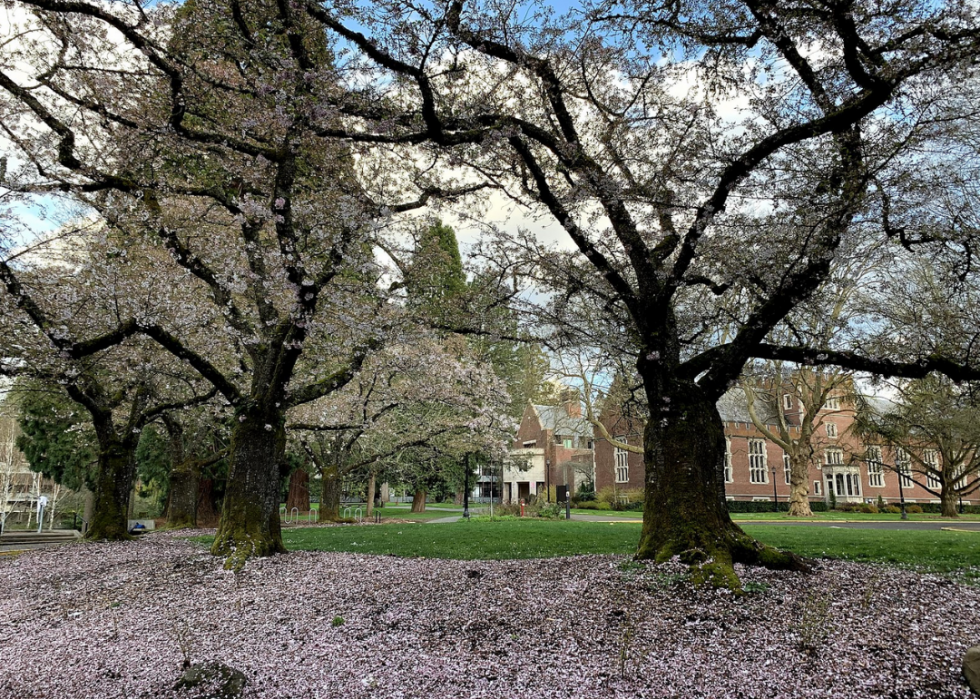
(752,506)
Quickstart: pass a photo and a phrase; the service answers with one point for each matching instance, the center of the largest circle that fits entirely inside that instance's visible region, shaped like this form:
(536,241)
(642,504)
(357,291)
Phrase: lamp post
(547,479)
(775,497)
(466,488)
(901,493)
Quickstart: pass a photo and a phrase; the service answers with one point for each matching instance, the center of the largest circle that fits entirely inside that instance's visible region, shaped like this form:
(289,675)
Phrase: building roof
(734,407)
(557,419)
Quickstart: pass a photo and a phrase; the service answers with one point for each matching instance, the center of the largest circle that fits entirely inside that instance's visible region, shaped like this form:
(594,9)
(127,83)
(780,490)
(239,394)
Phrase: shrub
(893,509)
(589,505)
(913,509)
(552,511)
(619,498)
(869,509)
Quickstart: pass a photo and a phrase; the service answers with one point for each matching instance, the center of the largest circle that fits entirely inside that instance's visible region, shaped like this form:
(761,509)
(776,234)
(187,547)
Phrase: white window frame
(729,475)
(568,442)
(787,467)
(876,470)
(831,428)
(787,401)
(832,403)
(838,455)
(845,484)
(622,465)
(930,458)
(816,487)
(758,461)
(903,464)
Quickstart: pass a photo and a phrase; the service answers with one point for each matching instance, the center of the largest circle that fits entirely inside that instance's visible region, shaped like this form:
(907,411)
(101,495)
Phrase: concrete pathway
(11,541)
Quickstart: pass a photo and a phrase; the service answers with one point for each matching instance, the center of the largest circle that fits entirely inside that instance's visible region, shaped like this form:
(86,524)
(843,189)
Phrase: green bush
(869,509)
(892,509)
(552,511)
(749,507)
(913,509)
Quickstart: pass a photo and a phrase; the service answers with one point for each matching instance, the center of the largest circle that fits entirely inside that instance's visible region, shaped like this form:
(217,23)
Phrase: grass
(956,554)
(397,511)
(947,552)
(834,516)
(471,540)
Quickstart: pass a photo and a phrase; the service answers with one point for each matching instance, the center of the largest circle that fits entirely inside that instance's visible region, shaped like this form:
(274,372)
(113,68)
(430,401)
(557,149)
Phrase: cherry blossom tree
(423,395)
(202,132)
(120,380)
(710,165)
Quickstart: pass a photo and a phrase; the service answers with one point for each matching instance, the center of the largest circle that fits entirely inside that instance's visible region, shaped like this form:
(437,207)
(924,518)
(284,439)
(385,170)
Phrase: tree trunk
(207,506)
(685,513)
(113,487)
(185,483)
(458,498)
(799,490)
(372,488)
(947,500)
(418,501)
(250,524)
(299,491)
(330,494)
(88,510)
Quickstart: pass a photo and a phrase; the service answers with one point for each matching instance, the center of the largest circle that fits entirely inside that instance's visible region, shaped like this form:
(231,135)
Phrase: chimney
(570,402)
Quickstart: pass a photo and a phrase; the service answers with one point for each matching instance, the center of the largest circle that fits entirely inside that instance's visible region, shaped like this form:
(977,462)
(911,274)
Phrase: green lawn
(399,511)
(782,516)
(933,551)
(947,552)
(472,540)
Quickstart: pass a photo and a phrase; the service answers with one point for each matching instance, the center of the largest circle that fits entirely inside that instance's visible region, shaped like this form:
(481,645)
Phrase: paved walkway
(11,541)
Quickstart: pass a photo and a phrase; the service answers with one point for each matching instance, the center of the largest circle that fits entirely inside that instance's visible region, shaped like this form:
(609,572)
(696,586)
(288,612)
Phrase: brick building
(553,450)
(845,468)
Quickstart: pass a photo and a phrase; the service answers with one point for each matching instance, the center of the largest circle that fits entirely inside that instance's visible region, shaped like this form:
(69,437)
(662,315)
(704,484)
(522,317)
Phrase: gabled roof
(734,407)
(556,419)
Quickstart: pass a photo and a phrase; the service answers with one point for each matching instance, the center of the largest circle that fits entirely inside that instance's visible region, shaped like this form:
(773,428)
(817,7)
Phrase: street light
(547,479)
(466,488)
(901,493)
(775,497)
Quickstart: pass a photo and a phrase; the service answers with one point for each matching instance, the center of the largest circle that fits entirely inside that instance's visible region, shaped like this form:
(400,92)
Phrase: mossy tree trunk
(185,483)
(250,523)
(330,493)
(113,486)
(685,513)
